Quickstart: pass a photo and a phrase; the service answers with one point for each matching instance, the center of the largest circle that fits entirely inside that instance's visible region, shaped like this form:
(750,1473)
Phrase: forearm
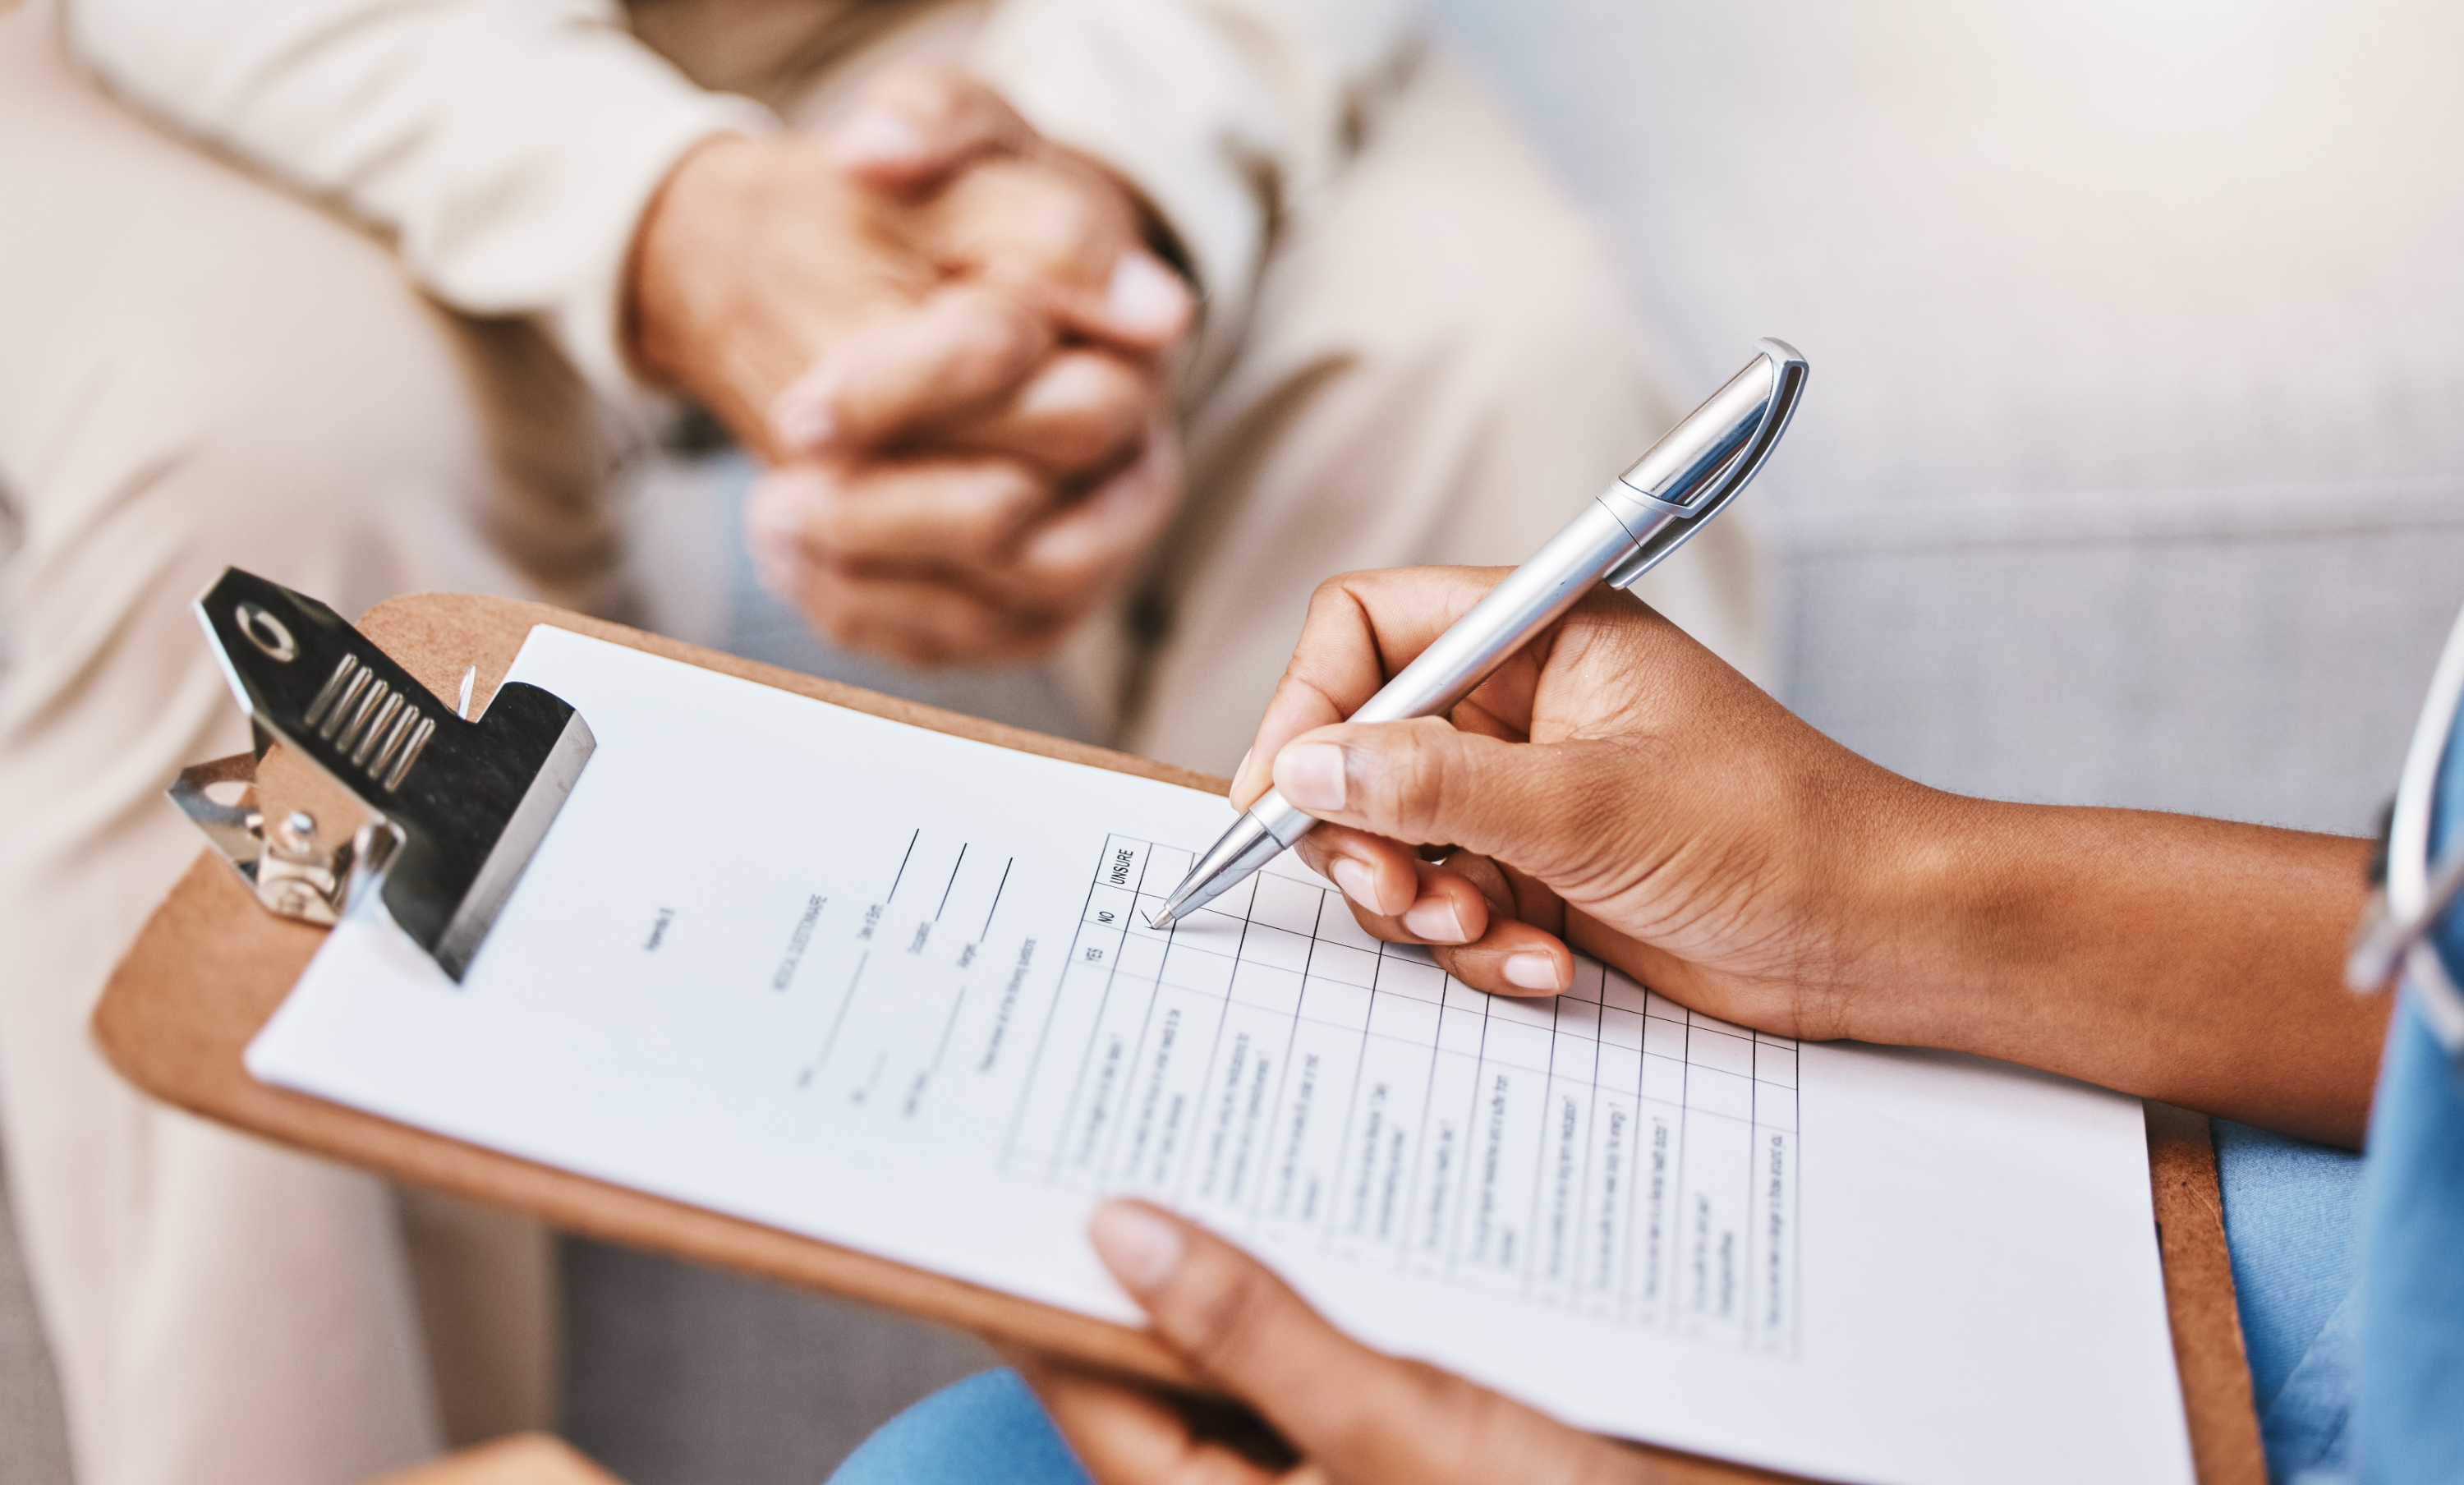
(2194,961)
(506,150)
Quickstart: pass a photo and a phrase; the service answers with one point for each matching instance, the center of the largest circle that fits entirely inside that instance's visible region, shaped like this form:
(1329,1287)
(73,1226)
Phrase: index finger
(965,349)
(1362,627)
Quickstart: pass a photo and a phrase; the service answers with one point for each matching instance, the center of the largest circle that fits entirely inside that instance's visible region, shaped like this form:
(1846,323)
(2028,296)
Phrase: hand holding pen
(1646,513)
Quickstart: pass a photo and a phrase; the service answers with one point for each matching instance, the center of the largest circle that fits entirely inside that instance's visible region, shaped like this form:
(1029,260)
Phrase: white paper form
(895,990)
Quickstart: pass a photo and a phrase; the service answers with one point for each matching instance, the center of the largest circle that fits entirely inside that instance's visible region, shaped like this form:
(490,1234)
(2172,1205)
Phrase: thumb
(1426,783)
(1353,1413)
(1341,1404)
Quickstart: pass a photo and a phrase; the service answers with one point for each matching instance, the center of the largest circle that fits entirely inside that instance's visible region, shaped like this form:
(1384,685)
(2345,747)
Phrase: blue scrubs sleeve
(2409,1411)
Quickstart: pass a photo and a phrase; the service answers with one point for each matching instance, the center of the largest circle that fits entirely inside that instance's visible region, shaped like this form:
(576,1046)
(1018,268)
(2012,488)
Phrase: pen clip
(1708,460)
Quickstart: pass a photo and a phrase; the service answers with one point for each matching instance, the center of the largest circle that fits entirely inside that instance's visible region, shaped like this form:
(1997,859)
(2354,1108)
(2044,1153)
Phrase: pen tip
(1161,920)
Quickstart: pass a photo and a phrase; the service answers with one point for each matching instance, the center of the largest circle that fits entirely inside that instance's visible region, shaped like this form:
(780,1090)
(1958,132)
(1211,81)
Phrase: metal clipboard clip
(456,807)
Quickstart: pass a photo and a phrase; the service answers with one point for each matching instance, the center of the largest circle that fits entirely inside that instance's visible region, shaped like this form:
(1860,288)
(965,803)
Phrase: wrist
(669,291)
(1948,915)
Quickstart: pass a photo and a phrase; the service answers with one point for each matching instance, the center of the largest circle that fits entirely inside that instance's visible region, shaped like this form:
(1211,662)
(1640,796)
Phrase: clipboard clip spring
(454,809)
(290,869)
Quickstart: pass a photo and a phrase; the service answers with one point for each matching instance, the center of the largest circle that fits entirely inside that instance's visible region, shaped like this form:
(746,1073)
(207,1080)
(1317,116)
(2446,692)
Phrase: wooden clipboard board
(210,967)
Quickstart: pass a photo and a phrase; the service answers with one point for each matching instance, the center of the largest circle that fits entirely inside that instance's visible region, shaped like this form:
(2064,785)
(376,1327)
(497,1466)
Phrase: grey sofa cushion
(2256,654)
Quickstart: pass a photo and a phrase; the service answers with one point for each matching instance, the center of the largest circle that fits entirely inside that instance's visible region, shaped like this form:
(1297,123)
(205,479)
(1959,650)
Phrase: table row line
(1539,1169)
(1279,981)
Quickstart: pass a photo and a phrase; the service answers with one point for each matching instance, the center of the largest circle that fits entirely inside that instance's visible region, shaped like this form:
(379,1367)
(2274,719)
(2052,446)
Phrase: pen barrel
(1532,597)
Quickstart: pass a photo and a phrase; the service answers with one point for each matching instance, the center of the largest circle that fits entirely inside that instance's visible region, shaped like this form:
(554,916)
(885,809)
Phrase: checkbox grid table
(1272,1068)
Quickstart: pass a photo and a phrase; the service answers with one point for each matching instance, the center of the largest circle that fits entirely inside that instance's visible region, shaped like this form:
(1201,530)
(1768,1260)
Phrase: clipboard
(211,965)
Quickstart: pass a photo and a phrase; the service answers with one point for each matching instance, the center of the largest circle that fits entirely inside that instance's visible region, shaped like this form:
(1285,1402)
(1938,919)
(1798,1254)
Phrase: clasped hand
(952,343)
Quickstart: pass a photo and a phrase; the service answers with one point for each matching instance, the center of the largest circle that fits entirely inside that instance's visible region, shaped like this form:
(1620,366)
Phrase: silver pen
(1646,513)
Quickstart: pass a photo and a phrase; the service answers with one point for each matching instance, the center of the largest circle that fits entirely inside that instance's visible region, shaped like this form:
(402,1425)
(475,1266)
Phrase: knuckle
(1362,588)
(1438,1404)
(1410,786)
(1000,496)
(1061,225)
(992,331)
(942,88)
(1335,604)
(968,96)
(1046,210)
(828,528)
(1331,593)
(977,535)
(841,624)
(976,629)
(966,324)
(1077,218)
(927,89)
(1085,442)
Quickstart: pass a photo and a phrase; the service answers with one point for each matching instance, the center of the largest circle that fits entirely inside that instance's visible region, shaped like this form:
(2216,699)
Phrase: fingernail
(1243,765)
(1140,1248)
(1311,775)
(1437,921)
(805,426)
(876,135)
(1147,297)
(1358,883)
(1532,971)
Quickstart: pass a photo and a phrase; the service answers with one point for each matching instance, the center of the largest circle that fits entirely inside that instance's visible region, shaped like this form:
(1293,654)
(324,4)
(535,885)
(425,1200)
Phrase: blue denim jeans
(988,1429)
(2292,1220)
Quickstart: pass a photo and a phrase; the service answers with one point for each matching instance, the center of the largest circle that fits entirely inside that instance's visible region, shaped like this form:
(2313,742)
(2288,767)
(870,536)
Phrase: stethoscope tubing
(2395,931)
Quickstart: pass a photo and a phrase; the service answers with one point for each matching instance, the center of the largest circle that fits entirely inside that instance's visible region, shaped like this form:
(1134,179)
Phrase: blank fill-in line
(951,883)
(946,1027)
(1051,1013)
(902,864)
(997,896)
(841,1020)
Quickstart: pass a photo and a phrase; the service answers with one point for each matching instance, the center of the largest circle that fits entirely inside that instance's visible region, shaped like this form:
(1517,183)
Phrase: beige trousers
(196,370)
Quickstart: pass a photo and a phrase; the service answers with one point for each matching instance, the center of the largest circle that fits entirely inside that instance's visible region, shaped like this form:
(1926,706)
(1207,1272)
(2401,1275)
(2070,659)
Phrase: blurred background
(2132,473)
